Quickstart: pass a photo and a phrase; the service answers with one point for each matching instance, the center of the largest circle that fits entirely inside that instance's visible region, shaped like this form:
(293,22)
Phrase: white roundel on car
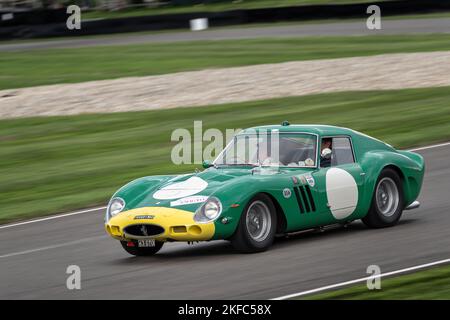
(182,189)
(342,192)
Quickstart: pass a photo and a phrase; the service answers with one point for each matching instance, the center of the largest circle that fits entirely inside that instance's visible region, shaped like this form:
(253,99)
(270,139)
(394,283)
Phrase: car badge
(287,193)
(144,217)
(310,180)
(144,230)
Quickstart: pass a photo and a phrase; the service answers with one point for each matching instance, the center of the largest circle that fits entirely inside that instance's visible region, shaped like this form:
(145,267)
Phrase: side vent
(305,199)
(310,197)
(299,201)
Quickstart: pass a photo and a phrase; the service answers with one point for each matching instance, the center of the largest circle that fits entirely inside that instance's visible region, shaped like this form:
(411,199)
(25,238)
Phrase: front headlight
(209,211)
(115,206)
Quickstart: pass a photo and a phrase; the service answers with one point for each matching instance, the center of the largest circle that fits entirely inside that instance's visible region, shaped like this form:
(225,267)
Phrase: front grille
(144,230)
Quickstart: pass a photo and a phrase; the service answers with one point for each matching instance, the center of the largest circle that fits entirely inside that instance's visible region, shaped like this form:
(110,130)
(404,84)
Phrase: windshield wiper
(238,164)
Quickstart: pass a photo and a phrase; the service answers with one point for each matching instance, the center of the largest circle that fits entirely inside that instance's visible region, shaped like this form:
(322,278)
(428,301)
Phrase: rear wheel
(257,226)
(137,251)
(387,201)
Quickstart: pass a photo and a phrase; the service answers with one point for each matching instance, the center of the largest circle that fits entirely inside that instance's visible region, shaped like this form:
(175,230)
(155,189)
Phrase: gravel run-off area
(217,86)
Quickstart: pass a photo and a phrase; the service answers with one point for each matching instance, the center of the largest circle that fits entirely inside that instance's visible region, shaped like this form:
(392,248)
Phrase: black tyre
(387,201)
(136,251)
(257,226)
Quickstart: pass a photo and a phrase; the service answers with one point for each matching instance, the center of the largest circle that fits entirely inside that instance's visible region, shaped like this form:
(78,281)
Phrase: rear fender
(410,166)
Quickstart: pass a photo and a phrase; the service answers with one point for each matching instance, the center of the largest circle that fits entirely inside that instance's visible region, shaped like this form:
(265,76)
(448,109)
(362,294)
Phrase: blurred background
(82,112)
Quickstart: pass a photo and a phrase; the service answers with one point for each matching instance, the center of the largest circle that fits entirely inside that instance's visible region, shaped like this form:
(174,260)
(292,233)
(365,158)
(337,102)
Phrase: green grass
(54,164)
(432,284)
(40,67)
(210,7)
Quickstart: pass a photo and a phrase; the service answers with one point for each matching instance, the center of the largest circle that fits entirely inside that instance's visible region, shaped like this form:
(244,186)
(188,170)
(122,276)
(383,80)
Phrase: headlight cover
(209,211)
(116,205)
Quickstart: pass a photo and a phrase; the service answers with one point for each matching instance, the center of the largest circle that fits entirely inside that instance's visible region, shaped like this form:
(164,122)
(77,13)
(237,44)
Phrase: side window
(338,151)
(342,152)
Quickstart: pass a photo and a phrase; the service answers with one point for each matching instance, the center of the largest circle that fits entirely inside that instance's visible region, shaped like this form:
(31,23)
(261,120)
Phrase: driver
(325,152)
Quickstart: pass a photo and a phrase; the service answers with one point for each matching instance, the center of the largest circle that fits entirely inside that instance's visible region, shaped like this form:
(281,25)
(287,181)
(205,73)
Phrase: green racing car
(270,181)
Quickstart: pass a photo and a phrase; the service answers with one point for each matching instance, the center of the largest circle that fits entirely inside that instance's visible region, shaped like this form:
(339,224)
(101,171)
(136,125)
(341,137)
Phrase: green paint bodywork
(238,185)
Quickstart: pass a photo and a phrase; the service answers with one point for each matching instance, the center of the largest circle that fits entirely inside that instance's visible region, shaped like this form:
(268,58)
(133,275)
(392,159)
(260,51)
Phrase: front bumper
(172,224)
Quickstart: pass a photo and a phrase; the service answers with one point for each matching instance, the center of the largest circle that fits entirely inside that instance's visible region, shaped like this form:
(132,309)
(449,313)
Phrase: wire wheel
(258,221)
(387,197)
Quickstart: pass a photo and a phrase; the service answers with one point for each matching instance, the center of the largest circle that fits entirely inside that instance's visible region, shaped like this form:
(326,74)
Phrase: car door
(343,180)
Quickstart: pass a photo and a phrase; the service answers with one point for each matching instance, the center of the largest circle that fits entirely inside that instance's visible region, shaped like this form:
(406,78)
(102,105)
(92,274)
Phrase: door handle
(362,174)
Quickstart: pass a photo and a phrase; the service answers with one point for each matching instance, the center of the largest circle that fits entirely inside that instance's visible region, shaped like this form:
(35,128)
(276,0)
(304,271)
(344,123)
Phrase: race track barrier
(52,23)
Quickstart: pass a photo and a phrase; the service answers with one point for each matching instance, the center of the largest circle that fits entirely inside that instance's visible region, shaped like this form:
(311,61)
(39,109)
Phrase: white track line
(52,247)
(432,146)
(342,284)
(52,217)
(102,208)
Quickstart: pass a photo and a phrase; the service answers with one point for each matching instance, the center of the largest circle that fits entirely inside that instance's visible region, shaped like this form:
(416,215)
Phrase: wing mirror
(326,153)
(207,164)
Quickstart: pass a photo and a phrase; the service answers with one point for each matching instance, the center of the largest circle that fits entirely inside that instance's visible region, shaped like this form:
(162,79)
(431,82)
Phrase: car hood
(190,191)
(187,191)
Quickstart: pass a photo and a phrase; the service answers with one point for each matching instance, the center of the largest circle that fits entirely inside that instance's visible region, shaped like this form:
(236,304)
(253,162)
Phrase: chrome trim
(413,205)
(199,211)
(108,215)
(130,236)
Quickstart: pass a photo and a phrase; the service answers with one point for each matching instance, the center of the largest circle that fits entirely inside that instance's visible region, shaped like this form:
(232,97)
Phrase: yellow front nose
(159,223)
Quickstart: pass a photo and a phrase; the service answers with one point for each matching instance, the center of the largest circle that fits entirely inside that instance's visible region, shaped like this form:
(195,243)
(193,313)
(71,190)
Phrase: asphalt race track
(34,256)
(406,26)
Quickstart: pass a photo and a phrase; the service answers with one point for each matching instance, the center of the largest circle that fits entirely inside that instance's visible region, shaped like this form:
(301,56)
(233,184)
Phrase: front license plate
(146,243)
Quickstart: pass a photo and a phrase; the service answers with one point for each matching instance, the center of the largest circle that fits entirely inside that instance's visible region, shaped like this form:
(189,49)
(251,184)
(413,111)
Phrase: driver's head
(326,143)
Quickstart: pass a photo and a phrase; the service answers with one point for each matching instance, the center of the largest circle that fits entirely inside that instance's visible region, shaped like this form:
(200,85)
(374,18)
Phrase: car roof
(319,129)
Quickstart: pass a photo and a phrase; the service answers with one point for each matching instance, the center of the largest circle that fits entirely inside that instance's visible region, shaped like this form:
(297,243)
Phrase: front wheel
(387,201)
(136,251)
(257,226)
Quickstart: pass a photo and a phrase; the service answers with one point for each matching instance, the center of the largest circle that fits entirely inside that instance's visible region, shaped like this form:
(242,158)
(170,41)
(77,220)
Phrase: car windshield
(270,149)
